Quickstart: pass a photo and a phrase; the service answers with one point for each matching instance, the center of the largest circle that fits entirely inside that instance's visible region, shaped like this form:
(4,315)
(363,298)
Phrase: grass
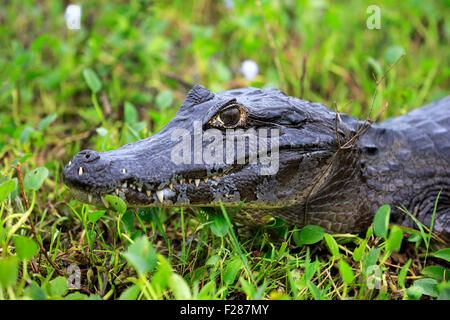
(122,77)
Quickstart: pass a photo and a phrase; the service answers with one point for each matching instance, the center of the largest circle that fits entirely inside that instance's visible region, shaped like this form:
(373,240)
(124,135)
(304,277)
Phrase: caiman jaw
(137,194)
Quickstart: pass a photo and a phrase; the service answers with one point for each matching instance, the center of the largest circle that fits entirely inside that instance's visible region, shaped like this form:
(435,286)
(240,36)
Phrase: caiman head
(256,146)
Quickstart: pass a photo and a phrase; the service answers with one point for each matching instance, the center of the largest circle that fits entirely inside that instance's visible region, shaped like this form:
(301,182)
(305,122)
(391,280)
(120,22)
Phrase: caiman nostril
(88,155)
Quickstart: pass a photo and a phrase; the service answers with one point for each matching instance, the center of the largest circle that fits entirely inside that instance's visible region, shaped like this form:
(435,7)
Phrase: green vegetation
(122,77)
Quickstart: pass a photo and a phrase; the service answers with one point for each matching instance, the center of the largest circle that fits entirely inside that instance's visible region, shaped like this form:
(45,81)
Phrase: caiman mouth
(177,192)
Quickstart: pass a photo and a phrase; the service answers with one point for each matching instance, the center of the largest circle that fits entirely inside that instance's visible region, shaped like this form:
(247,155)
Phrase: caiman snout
(85,168)
(87,156)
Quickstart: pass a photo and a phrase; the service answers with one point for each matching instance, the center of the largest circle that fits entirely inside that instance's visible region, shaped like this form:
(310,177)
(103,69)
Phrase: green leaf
(219,225)
(76,296)
(26,248)
(369,232)
(141,256)
(35,292)
(358,253)
(414,292)
(402,274)
(332,245)
(58,286)
(309,234)
(314,290)
(207,291)
(311,269)
(130,293)
(274,223)
(21,159)
(436,272)
(444,290)
(248,288)
(147,214)
(6,188)
(179,287)
(136,235)
(16,189)
(443,254)
(94,216)
(371,260)
(35,178)
(164,99)
(415,237)
(394,242)
(92,235)
(130,113)
(117,203)
(92,80)
(156,116)
(9,268)
(234,266)
(44,123)
(128,221)
(346,272)
(139,126)
(376,66)
(160,279)
(429,286)
(393,53)
(26,133)
(213,260)
(381,221)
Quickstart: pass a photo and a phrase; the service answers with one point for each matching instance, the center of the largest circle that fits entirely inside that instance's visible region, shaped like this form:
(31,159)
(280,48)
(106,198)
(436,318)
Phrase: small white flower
(73,16)
(229,4)
(249,69)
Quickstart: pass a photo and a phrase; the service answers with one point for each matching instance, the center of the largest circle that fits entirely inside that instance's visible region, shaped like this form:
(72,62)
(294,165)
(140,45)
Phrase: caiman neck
(336,203)
(403,169)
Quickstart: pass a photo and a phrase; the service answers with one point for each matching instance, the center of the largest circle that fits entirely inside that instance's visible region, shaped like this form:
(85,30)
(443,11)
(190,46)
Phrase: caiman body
(333,171)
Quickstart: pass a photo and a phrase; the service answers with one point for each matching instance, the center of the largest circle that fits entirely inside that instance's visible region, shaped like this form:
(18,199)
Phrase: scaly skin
(401,162)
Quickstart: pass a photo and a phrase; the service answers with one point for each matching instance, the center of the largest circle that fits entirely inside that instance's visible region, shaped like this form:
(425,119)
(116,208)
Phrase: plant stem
(30,219)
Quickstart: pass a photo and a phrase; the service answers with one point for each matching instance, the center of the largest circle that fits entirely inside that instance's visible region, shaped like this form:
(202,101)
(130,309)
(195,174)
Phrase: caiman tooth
(80,171)
(139,189)
(124,185)
(181,181)
(197,182)
(117,191)
(206,180)
(89,198)
(171,186)
(190,180)
(160,195)
(105,203)
(149,193)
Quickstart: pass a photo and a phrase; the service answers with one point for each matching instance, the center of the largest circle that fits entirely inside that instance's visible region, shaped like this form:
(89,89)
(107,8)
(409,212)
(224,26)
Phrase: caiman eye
(230,116)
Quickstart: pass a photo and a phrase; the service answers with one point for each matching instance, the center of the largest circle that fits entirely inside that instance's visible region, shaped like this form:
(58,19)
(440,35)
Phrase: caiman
(318,166)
